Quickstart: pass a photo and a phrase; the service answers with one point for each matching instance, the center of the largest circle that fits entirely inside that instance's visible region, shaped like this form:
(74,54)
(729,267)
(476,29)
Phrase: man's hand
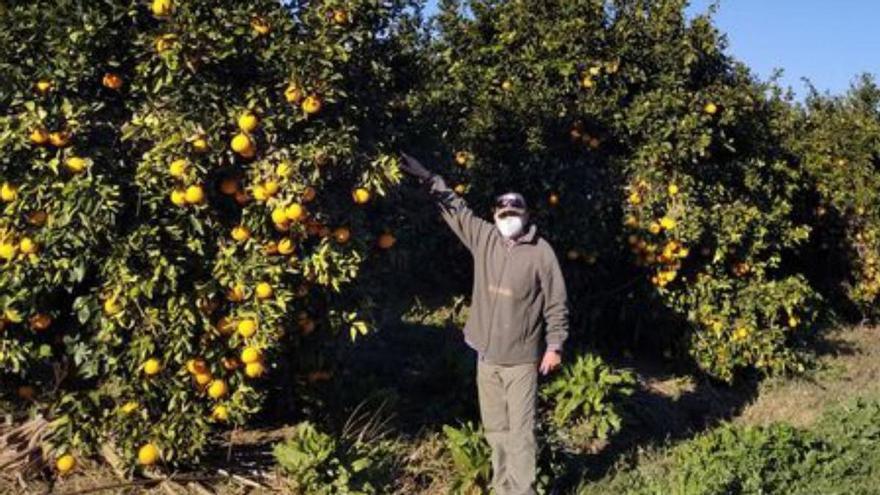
(551,361)
(412,166)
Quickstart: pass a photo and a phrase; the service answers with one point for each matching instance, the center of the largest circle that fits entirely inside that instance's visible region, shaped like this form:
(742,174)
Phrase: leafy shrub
(319,463)
(588,393)
(471,457)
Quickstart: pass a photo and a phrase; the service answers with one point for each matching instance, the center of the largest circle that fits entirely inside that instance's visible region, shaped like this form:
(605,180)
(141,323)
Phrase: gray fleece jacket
(519,303)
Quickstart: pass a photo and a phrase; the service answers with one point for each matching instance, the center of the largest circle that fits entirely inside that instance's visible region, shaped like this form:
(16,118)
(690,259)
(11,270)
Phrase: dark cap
(511,202)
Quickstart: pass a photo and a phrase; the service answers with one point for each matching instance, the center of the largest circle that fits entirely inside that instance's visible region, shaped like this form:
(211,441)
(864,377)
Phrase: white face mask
(510,226)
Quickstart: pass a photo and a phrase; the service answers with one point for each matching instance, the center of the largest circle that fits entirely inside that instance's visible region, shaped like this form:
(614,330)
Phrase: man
(518,319)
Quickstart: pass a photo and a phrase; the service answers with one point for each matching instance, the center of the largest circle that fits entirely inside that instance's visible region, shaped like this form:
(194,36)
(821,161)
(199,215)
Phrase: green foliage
(588,392)
(838,455)
(471,458)
(319,463)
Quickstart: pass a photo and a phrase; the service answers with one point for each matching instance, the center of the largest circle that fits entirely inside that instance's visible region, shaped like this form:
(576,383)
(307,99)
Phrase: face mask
(510,226)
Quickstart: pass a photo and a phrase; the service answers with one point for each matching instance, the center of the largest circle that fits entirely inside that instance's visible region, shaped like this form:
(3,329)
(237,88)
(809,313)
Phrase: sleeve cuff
(555,348)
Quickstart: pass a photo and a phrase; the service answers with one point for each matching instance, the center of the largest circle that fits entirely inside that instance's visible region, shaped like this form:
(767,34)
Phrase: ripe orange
(39,136)
(194,194)
(241,233)
(295,212)
(635,198)
(8,250)
(309,194)
(27,246)
(587,82)
(247,328)
(250,355)
(672,189)
(553,199)
(40,322)
(710,108)
(342,235)
(177,168)
(230,363)
(260,193)
(461,158)
(112,81)
(152,367)
(200,144)
(178,197)
(283,169)
(43,86)
(293,94)
(340,16)
(112,306)
(386,240)
(460,189)
(202,379)
(360,195)
(312,104)
(271,188)
(254,370)
(506,85)
(197,366)
(149,453)
(263,290)
(248,122)
(668,223)
(279,216)
(285,246)
(260,26)
(220,413)
(241,143)
(65,464)
(59,139)
(76,164)
(218,389)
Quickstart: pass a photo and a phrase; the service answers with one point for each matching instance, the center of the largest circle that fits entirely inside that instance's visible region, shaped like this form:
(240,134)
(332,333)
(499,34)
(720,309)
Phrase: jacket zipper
(495,296)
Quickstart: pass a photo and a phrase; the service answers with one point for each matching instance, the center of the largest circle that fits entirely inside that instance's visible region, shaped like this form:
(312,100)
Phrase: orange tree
(837,140)
(656,164)
(185,186)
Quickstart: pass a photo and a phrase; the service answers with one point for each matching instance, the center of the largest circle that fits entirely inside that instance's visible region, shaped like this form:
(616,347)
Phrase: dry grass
(849,368)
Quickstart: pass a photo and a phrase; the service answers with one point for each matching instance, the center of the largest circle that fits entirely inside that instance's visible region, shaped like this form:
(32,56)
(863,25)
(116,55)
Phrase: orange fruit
(59,139)
(587,82)
(218,389)
(293,94)
(76,164)
(285,246)
(342,235)
(461,158)
(241,143)
(271,188)
(39,136)
(152,367)
(312,105)
(177,168)
(247,328)
(309,194)
(241,233)
(65,464)
(230,363)
(200,144)
(40,322)
(220,413)
(360,195)
(340,16)
(247,122)
(225,325)
(149,453)
(254,370)
(553,199)
(710,108)
(250,355)
(279,216)
(112,306)
(672,189)
(460,189)
(43,86)
(197,366)
(260,26)
(178,197)
(37,218)
(8,250)
(194,194)
(27,246)
(112,81)
(202,379)
(263,290)
(386,240)
(295,212)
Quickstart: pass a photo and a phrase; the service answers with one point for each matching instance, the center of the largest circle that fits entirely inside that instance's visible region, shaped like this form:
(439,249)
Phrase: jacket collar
(528,237)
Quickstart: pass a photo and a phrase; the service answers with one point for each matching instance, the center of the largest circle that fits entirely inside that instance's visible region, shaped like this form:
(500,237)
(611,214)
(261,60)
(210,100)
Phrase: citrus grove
(198,196)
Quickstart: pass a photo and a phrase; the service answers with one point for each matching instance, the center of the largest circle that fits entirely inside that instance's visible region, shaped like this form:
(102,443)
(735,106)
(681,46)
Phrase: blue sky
(827,41)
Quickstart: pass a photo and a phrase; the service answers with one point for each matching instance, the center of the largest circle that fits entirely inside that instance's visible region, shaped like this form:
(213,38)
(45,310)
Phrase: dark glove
(412,167)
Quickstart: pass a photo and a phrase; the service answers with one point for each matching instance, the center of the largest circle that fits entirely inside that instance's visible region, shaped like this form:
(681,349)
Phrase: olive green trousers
(508,395)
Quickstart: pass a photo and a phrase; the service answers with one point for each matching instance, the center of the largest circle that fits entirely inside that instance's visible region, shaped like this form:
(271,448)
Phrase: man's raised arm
(453,208)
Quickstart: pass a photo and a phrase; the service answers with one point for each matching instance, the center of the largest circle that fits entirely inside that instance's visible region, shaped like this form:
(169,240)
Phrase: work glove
(413,167)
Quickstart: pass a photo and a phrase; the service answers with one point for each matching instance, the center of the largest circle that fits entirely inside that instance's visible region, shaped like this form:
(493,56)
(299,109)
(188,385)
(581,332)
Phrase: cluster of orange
(588,77)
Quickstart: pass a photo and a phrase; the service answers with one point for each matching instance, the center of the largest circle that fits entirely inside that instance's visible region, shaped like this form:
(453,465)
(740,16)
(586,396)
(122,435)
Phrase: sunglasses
(510,201)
